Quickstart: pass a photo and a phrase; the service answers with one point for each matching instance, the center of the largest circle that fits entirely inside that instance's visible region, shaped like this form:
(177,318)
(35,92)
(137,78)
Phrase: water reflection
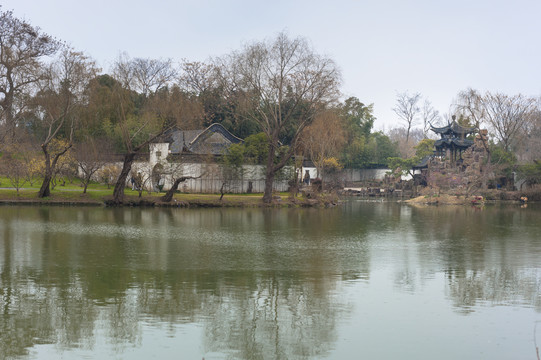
(258,282)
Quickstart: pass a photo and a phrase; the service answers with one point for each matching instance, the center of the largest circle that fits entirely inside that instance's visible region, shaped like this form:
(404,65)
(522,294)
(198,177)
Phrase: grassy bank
(99,195)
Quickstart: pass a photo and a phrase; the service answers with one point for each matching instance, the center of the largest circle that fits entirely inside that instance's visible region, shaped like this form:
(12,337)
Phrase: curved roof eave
(453,127)
(217,128)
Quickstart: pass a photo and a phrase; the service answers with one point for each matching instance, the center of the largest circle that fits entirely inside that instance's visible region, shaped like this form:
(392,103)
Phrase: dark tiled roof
(453,142)
(423,163)
(453,129)
(197,141)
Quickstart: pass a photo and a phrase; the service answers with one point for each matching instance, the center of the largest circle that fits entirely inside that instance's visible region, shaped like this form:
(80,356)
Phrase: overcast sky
(436,48)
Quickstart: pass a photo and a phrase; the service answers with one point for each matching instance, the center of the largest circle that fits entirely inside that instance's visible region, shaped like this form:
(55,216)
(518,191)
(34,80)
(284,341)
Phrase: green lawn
(97,193)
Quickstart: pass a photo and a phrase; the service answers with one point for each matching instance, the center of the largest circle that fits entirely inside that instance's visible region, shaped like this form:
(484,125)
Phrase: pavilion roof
(453,142)
(423,163)
(453,129)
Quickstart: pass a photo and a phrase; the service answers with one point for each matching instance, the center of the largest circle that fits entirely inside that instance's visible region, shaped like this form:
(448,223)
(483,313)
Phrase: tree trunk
(45,190)
(85,182)
(222,191)
(7,107)
(269,180)
(408,133)
(270,171)
(118,192)
(169,194)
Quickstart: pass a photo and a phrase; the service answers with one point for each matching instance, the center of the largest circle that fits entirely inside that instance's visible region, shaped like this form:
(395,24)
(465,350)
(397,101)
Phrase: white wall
(208,178)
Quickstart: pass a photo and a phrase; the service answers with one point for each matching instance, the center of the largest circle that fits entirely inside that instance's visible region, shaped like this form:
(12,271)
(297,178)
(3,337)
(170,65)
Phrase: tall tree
(323,138)
(145,110)
(22,46)
(429,115)
(91,155)
(469,106)
(530,142)
(197,77)
(381,148)
(146,76)
(406,144)
(135,131)
(408,110)
(285,85)
(358,121)
(220,99)
(507,117)
(58,107)
(358,117)
(176,106)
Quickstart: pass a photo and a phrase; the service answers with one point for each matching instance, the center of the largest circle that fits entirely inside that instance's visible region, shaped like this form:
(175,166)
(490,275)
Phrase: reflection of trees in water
(495,287)
(245,313)
(488,255)
(256,295)
(281,317)
(472,238)
(252,315)
(35,313)
(261,281)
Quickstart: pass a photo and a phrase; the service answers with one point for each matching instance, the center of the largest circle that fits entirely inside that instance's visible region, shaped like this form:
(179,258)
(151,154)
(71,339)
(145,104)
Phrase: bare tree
(146,76)
(176,172)
(406,148)
(529,144)
(469,105)
(21,48)
(408,110)
(66,167)
(58,107)
(508,116)
(285,85)
(108,174)
(143,178)
(122,71)
(197,77)
(16,171)
(91,156)
(15,163)
(430,116)
(505,116)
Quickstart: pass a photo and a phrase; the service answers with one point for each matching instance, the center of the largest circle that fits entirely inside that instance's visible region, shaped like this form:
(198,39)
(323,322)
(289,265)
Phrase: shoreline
(284,200)
(183,201)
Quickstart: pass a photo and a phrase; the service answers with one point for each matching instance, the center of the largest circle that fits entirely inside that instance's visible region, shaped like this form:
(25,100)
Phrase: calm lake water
(366,280)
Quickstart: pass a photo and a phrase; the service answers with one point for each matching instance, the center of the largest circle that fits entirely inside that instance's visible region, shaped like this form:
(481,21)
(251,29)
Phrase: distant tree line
(57,104)
(59,112)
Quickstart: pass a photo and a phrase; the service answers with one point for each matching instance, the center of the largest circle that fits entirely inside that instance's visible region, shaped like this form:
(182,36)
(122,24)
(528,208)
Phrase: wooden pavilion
(453,140)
